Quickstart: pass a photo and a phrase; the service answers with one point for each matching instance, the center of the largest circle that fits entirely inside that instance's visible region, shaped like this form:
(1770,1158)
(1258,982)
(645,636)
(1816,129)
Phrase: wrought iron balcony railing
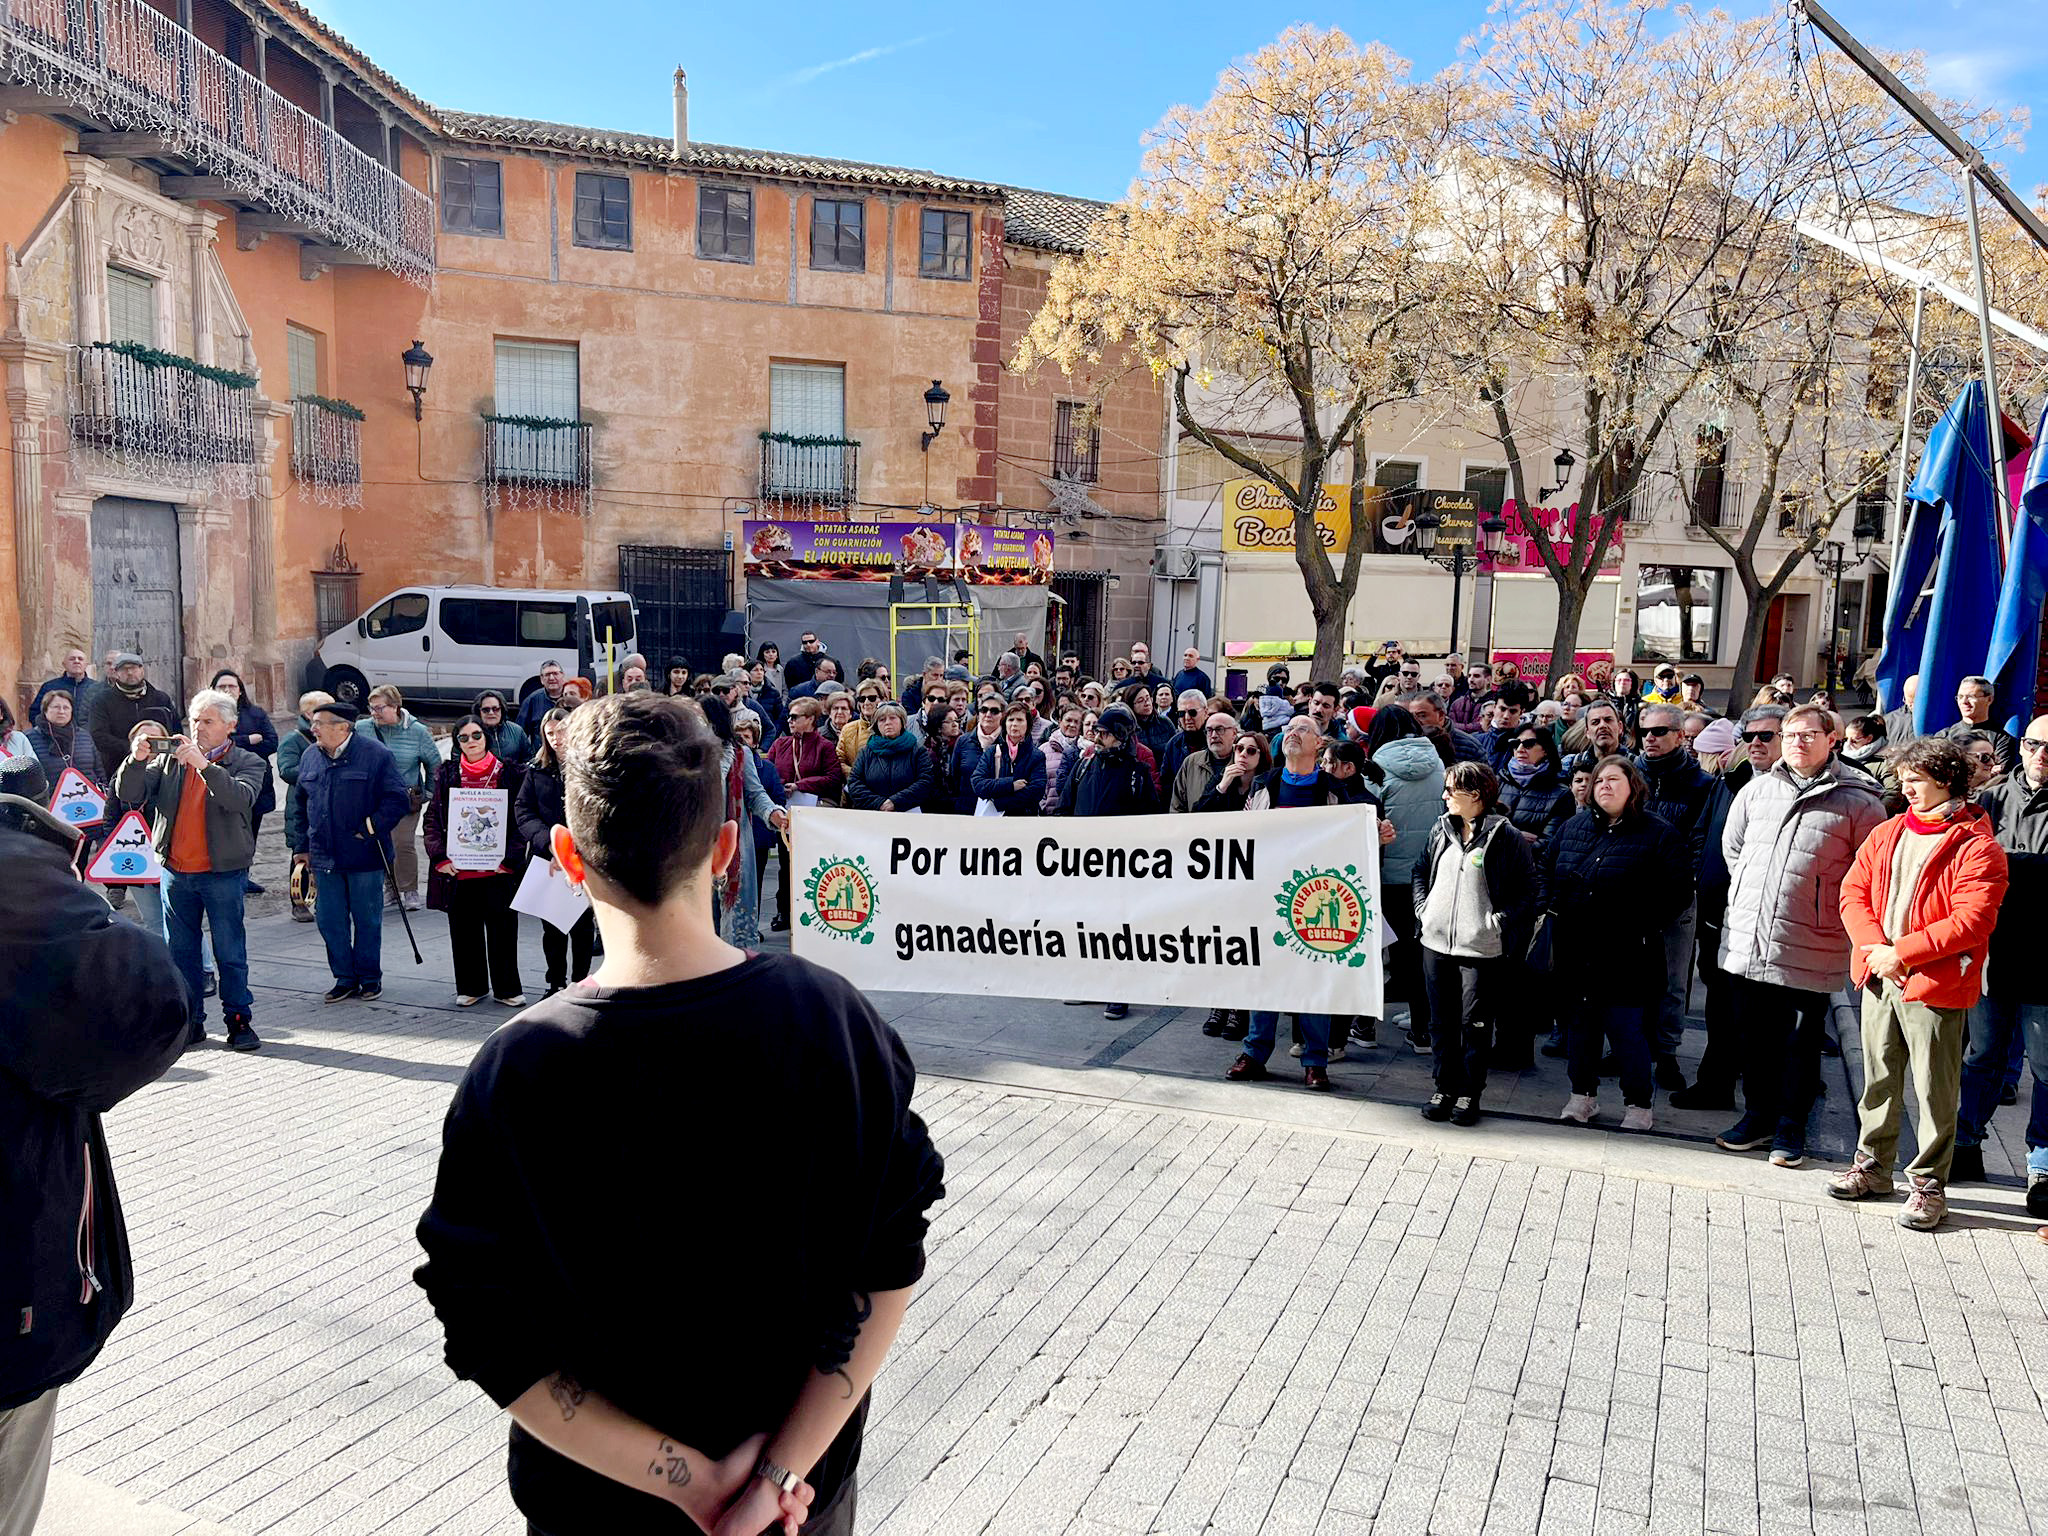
(821,470)
(126,64)
(533,450)
(148,406)
(327,447)
(1718,502)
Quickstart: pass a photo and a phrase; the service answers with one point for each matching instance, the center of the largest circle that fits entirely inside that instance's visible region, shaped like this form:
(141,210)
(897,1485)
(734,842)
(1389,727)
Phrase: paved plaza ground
(1156,1301)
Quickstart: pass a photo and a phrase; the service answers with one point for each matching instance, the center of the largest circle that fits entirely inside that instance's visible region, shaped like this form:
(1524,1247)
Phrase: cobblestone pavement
(1156,1302)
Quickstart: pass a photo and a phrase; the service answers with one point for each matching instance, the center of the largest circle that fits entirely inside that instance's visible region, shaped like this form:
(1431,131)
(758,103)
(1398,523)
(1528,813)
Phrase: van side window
(546,623)
(399,615)
(480,620)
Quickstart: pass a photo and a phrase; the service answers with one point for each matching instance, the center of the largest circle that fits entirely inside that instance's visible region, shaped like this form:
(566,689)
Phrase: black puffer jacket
(1612,888)
(2017,970)
(1538,806)
(539,809)
(1681,793)
(91,1010)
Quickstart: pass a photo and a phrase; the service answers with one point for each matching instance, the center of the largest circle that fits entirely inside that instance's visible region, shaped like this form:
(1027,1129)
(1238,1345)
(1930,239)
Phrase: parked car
(445,644)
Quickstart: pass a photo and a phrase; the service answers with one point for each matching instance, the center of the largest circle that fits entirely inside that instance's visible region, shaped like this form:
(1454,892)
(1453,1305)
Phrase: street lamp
(935,401)
(1563,465)
(418,363)
(1837,555)
(1492,533)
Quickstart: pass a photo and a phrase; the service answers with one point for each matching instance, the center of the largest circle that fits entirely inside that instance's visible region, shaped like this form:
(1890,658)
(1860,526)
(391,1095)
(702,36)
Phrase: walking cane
(370,827)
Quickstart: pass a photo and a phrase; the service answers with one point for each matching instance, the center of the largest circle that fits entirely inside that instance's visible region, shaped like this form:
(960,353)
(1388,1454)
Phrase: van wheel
(348,686)
(528,688)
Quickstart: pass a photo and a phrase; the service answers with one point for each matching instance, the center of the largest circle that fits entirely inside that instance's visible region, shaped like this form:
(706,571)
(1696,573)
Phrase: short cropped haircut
(1937,758)
(642,791)
(387,693)
(1820,716)
(1476,779)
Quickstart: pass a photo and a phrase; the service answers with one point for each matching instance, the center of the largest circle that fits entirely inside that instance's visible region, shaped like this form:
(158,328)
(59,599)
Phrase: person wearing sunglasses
(1984,767)
(867,698)
(482,927)
(506,740)
(972,747)
(1720,1065)
(2014,1008)
(1191,719)
(1663,687)
(1682,794)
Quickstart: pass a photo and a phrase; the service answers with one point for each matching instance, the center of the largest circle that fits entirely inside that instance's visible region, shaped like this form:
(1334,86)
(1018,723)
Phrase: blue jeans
(1995,1023)
(351,898)
(215,900)
(1315,1037)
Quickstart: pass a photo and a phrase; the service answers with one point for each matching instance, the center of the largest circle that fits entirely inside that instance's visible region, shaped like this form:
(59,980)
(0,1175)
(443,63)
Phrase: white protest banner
(76,802)
(1262,909)
(477,824)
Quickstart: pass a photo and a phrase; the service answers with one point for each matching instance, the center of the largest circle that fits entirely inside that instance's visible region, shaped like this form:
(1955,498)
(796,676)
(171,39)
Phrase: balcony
(327,450)
(821,470)
(1718,502)
(537,461)
(129,67)
(156,411)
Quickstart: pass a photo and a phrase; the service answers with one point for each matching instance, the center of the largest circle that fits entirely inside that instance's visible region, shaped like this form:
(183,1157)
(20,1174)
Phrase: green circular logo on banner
(1327,915)
(839,896)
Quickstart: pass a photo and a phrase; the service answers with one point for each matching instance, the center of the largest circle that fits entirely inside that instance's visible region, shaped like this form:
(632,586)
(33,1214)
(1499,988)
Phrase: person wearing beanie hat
(1361,720)
(1716,740)
(1110,781)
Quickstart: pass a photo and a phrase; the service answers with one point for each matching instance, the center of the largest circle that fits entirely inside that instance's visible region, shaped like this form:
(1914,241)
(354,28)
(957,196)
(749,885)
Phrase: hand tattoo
(669,1463)
(568,1394)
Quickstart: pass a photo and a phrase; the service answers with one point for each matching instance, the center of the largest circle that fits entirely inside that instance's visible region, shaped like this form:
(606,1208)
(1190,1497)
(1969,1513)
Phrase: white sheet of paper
(546,893)
(800,797)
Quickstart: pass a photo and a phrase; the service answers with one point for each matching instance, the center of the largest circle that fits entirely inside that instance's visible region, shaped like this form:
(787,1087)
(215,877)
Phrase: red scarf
(1926,828)
(481,774)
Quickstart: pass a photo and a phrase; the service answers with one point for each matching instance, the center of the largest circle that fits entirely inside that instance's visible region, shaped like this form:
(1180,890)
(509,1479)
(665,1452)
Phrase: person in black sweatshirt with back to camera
(681,1206)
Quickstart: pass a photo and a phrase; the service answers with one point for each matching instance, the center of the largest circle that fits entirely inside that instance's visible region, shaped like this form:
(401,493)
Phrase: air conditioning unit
(1175,562)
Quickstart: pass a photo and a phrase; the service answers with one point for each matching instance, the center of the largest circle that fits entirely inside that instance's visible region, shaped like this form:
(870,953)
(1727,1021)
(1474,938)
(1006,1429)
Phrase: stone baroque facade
(670,347)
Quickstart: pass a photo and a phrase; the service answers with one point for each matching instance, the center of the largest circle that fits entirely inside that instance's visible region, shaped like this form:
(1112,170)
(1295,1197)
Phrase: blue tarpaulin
(2016,634)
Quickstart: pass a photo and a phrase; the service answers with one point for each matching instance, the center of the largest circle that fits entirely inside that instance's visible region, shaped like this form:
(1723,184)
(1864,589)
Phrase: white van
(447,644)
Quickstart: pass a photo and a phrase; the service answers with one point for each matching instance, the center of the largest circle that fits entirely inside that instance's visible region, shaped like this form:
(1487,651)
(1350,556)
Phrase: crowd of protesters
(1569,873)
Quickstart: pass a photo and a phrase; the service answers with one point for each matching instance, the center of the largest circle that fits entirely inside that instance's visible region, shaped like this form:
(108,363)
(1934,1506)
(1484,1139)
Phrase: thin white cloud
(1976,75)
(866,56)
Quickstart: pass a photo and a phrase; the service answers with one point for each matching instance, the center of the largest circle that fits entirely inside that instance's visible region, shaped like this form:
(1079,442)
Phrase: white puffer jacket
(1787,850)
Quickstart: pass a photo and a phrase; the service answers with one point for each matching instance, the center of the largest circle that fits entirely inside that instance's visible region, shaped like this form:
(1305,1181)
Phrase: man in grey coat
(1790,837)
(198,799)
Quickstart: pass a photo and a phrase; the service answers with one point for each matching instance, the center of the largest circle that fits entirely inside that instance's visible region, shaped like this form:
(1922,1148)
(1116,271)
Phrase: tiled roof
(351,55)
(651,149)
(1046,221)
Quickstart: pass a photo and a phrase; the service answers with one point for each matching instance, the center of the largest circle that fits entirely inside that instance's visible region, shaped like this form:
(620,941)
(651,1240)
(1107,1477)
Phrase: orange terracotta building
(223,227)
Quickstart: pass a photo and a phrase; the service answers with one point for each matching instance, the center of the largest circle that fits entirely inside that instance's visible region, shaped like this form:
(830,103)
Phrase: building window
(538,378)
(302,361)
(943,248)
(807,399)
(131,307)
(838,237)
(1488,485)
(604,211)
(725,224)
(472,197)
(1076,442)
(1678,614)
(1397,474)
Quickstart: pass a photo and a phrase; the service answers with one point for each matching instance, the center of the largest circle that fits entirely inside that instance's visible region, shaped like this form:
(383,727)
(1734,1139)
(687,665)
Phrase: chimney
(682,113)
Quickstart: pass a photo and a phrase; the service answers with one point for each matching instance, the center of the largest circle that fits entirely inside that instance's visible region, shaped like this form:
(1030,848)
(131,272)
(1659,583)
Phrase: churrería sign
(1258,520)
(1278,904)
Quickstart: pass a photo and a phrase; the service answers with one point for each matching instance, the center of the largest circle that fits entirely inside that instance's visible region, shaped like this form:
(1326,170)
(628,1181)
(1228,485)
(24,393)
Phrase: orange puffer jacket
(1955,907)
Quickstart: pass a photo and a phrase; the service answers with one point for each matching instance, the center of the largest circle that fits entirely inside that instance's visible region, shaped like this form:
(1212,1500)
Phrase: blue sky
(1055,94)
